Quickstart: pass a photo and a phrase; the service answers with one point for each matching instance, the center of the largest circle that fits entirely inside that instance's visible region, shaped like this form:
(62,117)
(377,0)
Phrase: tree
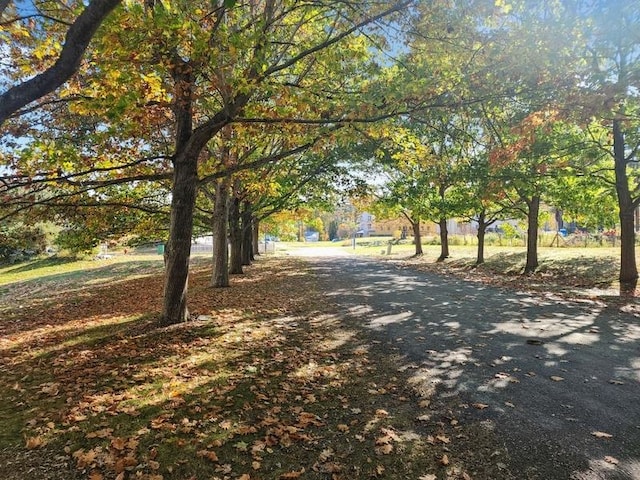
(609,90)
(79,33)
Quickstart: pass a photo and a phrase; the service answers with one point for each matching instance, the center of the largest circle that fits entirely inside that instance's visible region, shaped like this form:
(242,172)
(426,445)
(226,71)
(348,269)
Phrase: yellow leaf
(445,459)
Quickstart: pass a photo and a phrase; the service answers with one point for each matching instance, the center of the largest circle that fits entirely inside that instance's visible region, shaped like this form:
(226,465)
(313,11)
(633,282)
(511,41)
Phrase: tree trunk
(417,237)
(178,248)
(628,268)
(444,240)
(220,276)
(247,234)
(255,237)
(532,234)
(235,236)
(482,230)
(183,200)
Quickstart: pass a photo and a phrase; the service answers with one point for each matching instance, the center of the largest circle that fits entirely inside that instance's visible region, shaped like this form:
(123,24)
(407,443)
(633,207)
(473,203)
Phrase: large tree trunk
(532,234)
(628,268)
(178,248)
(482,230)
(444,240)
(235,236)
(183,200)
(220,276)
(247,234)
(417,237)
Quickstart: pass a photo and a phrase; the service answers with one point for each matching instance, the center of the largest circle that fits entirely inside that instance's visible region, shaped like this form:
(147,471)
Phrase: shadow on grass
(246,391)
(41,263)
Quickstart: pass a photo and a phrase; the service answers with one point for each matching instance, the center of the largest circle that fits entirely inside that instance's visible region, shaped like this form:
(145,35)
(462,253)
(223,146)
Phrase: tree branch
(76,42)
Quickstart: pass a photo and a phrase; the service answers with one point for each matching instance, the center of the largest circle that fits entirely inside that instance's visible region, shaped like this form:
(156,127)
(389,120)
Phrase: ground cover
(265,382)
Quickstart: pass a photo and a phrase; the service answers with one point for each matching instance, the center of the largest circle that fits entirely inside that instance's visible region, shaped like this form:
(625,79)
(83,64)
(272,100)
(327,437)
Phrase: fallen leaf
(326,454)
(96,476)
(343,428)
(384,449)
(480,406)
(601,435)
(208,454)
(445,459)
(291,475)
(244,476)
(616,382)
(612,460)
(118,443)
(256,465)
(242,446)
(509,404)
(429,476)
(35,442)
(556,378)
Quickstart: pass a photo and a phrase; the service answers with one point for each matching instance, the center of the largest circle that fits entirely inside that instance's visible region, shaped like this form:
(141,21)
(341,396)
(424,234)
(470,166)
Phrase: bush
(77,240)
(18,242)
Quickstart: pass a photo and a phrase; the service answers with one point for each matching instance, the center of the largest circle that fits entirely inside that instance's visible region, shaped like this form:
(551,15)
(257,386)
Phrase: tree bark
(482,230)
(444,240)
(247,234)
(533,205)
(628,268)
(220,276)
(255,237)
(235,237)
(417,237)
(75,44)
(183,200)
(178,249)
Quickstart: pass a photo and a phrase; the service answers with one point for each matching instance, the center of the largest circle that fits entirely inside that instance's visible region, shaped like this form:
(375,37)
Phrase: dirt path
(554,382)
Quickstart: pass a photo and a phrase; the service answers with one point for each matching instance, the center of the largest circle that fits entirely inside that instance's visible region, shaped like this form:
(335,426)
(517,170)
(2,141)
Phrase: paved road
(551,371)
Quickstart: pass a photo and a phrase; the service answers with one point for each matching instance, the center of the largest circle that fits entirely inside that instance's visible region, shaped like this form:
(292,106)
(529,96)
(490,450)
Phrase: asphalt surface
(556,382)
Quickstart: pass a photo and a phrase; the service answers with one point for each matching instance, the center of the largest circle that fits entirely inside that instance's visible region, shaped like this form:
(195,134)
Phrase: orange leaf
(291,475)
(208,454)
(35,442)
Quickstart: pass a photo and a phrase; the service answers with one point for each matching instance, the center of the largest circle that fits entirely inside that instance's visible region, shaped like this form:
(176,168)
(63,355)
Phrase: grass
(266,384)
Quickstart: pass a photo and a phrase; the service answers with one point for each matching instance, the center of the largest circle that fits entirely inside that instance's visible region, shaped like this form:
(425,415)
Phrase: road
(542,373)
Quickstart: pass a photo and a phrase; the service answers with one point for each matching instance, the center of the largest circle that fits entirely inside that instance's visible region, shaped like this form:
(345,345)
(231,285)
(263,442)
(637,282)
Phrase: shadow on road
(555,380)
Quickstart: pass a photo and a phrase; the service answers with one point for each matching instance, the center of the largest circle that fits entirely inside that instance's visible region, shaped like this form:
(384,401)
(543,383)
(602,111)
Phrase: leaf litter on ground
(266,382)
